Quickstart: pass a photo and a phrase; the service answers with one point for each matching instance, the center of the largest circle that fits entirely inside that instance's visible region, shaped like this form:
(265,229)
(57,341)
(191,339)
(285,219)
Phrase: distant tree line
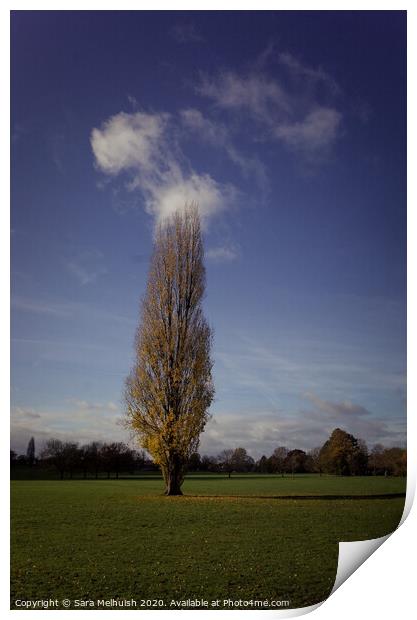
(342,454)
(95,459)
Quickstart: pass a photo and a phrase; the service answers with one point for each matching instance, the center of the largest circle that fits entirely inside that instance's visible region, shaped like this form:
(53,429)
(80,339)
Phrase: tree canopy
(343,454)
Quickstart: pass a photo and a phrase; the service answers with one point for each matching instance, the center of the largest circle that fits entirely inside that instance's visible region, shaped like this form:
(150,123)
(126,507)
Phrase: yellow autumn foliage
(170,389)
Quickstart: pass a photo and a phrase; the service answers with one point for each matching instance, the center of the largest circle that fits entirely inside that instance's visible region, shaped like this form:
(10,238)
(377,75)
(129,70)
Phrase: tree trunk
(174,478)
(173,486)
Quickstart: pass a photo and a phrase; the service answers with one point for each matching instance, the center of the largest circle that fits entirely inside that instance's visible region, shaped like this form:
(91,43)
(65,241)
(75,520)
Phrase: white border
(384,585)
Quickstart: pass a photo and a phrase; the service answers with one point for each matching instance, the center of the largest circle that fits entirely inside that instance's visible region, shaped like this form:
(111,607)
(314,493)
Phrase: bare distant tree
(91,458)
(241,460)
(278,459)
(225,460)
(54,454)
(170,389)
(209,463)
(376,460)
(116,457)
(235,460)
(30,452)
(314,453)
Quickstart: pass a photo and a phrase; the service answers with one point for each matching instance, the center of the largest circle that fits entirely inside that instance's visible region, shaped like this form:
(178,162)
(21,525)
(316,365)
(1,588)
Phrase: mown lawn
(307,484)
(121,539)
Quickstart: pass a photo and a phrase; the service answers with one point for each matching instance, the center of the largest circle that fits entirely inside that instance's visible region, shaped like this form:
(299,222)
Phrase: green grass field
(121,539)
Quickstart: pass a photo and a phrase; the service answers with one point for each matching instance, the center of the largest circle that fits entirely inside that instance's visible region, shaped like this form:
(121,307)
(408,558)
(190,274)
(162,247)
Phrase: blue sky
(289,129)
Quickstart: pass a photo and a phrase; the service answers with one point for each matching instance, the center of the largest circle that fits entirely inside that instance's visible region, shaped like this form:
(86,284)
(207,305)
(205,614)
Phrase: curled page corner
(352,555)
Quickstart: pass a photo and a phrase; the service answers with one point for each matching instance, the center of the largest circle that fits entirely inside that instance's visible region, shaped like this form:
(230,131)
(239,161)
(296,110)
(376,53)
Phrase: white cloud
(128,141)
(170,197)
(142,145)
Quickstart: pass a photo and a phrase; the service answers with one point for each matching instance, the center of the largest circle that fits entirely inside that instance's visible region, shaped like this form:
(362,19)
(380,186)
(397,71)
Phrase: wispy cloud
(41,307)
(84,405)
(56,144)
(62,309)
(345,409)
(210,131)
(291,363)
(57,344)
(186,32)
(24,413)
(222,253)
(216,134)
(259,95)
(18,133)
(87,266)
(313,75)
(133,101)
(297,108)
(316,131)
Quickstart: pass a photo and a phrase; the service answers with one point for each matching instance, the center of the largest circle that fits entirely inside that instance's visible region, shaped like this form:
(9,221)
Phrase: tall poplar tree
(170,389)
